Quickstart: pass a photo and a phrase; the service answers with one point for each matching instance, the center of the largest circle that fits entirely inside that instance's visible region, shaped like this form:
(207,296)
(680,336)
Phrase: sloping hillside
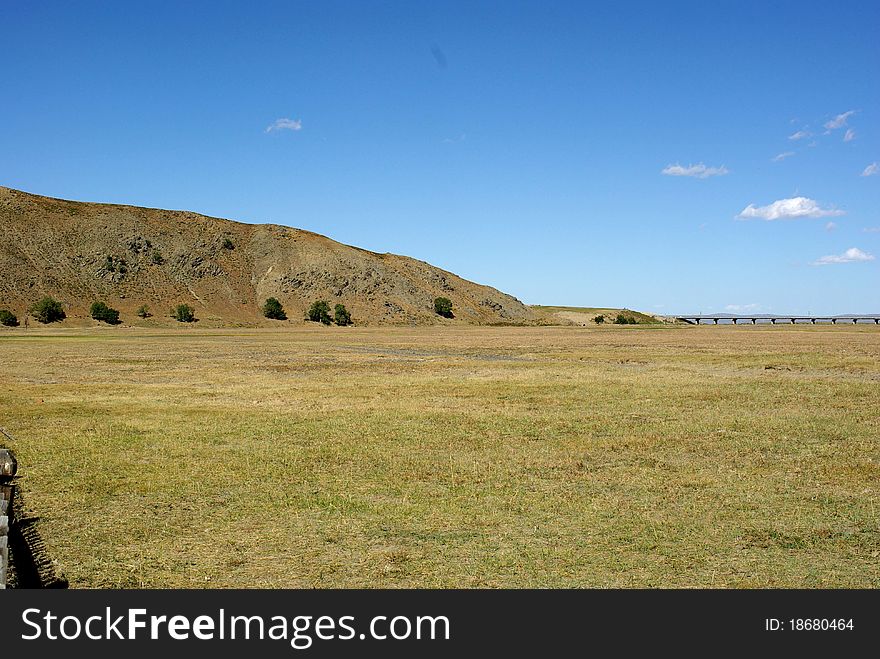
(127,256)
(587,315)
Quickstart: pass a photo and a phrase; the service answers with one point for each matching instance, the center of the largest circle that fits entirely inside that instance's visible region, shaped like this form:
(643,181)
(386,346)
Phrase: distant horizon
(722,314)
(723,158)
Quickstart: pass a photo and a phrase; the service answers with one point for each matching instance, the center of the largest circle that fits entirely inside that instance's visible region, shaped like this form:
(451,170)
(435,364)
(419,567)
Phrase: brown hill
(127,256)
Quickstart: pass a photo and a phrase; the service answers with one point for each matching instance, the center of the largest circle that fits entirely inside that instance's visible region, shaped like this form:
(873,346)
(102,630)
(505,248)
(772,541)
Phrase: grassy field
(451,457)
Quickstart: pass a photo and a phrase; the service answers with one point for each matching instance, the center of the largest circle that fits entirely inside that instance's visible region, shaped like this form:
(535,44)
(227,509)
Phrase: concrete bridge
(762,319)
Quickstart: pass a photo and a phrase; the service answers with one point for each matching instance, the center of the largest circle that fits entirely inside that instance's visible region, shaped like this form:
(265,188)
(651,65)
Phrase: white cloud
(852,255)
(871,169)
(285,124)
(850,135)
(785,209)
(782,156)
(697,171)
(871,229)
(831,226)
(801,134)
(839,121)
(739,308)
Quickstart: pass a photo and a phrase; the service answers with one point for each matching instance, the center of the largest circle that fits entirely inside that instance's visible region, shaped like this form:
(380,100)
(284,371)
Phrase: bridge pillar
(792,321)
(698,320)
(716,320)
(734,320)
(855,320)
(813,320)
(772,321)
(834,321)
(754,320)
(877,321)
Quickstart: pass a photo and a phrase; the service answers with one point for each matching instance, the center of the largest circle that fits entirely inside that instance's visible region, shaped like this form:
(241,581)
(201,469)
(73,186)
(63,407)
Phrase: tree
(599,319)
(273,309)
(143,311)
(625,320)
(319,312)
(443,306)
(341,315)
(157,258)
(100,311)
(48,310)
(8,318)
(227,244)
(183,313)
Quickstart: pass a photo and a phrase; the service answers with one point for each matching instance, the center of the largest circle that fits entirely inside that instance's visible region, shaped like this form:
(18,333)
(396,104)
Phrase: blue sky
(521,145)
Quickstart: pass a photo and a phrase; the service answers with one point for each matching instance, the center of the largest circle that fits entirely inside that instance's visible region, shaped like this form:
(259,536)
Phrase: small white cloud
(782,156)
(871,229)
(839,121)
(740,308)
(852,255)
(830,226)
(696,171)
(785,209)
(871,170)
(801,134)
(850,135)
(285,124)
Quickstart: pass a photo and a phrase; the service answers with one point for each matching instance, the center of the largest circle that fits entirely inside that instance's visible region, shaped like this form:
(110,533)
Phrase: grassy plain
(451,456)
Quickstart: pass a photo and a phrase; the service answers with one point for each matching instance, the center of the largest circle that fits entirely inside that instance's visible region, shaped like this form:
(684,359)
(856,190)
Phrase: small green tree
(48,310)
(319,312)
(625,320)
(341,315)
(227,243)
(183,313)
(157,258)
(8,318)
(273,309)
(100,311)
(443,306)
(143,311)
(599,319)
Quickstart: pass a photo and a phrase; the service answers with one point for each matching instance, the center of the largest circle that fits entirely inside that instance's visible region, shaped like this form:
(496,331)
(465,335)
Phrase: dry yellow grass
(499,457)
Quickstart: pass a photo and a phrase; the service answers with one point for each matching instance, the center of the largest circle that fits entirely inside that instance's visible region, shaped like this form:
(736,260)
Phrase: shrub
(100,311)
(625,320)
(8,318)
(273,309)
(183,313)
(443,306)
(341,315)
(319,312)
(143,311)
(599,319)
(227,244)
(48,310)
(157,258)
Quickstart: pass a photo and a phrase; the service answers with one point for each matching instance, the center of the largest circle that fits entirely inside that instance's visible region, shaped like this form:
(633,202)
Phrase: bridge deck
(718,319)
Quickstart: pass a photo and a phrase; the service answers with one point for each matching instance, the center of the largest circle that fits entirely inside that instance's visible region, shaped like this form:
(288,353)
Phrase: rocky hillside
(128,256)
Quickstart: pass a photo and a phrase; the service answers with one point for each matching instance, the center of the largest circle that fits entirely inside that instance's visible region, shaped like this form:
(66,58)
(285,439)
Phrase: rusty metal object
(8,464)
